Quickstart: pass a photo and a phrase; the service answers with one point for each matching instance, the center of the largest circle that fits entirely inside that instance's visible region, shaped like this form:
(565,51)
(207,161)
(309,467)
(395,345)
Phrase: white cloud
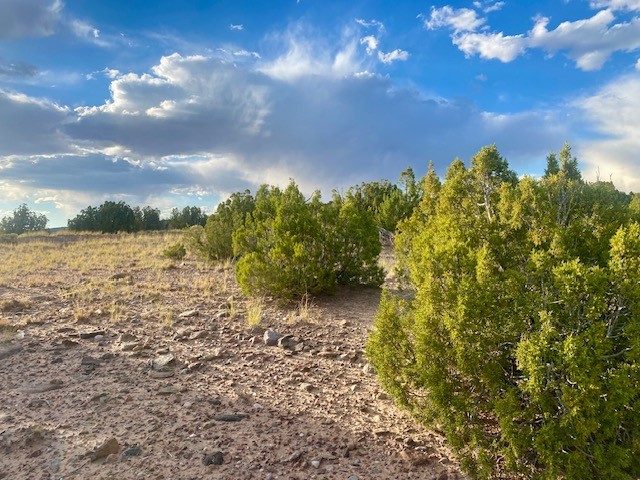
(617,4)
(237,27)
(371,23)
(394,56)
(638,64)
(370,42)
(491,45)
(489,6)
(458,19)
(613,114)
(589,42)
(246,53)
(28,18)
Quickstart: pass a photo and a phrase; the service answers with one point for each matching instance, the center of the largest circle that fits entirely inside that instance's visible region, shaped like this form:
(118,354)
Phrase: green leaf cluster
(520,338)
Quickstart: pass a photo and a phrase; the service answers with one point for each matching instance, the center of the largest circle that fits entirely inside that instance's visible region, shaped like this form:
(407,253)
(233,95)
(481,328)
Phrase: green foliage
(23,220)
(522,341)
(388,203)
(187,217)
(113,217)
(175,251)
(216,243)
(290,247)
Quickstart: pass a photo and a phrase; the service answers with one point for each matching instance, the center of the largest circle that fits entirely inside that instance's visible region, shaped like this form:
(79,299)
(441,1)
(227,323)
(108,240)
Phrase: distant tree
(110,217)
(187,217)
(147,218)
(23,220)
(116,217)
(85,221)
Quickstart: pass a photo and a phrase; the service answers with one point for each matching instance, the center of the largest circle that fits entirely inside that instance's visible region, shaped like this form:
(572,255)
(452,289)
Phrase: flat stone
(228,418)
(163,361)
(189,314)
(161,375)
(89,335)
(87,360)
(132,452)
(43,387)
(168,390)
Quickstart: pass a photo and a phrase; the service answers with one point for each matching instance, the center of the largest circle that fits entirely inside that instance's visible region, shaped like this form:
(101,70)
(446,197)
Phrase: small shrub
(255,306)
(175,251)
(290,247)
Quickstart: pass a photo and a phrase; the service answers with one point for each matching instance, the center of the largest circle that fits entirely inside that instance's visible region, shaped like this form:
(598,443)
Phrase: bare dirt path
(194,393)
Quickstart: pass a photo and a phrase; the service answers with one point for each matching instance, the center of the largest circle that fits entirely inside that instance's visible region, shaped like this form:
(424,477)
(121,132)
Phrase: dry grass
(14,305)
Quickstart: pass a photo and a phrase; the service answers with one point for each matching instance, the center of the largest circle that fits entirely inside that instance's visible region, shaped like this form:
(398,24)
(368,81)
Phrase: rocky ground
(105,375)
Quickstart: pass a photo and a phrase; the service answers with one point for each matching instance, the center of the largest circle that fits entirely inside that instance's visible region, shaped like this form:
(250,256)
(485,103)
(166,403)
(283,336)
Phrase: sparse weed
(255,307)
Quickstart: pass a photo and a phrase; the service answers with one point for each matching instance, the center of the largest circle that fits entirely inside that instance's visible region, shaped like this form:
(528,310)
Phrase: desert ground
(118,363)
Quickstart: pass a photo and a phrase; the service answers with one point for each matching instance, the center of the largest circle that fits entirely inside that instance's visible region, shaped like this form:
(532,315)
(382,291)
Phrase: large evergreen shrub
(522,338)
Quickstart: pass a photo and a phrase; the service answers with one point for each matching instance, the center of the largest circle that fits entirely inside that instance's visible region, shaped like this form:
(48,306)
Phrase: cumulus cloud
(28,18)
(457,19)
(505,48)
(589,42)
(613,117)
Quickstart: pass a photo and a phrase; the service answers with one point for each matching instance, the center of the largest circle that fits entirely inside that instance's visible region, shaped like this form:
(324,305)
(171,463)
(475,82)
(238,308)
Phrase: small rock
(187,404)
(168,390)
(368,369)
(213,459)
(271,337)
(315,463)
(43,387)
(199,335)
(163,361)
(129,346)
(193,366)
(66,343)
(228,418)
(89,335)
(110,447)
(132,452)
(189,314)
(87,360)
(290,342)
(99,337)
(353,477)
(307,387)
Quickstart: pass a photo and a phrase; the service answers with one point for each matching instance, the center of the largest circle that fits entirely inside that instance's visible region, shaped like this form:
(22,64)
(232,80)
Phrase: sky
(175,103)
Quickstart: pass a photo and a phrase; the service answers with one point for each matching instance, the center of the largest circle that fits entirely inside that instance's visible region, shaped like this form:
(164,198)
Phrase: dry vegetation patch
(170,364)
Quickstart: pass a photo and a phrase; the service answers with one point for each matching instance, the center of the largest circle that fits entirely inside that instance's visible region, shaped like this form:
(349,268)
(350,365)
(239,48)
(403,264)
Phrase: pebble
(228,418)
(189,314)
(271,337)
(213,459)
(132,452)
(163,361)
(315,463)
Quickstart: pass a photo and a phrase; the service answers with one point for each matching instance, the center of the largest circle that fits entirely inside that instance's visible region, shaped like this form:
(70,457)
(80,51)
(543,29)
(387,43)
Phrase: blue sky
(182,103)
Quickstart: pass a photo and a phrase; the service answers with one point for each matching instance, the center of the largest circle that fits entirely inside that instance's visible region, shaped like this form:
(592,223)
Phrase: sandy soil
(134,392)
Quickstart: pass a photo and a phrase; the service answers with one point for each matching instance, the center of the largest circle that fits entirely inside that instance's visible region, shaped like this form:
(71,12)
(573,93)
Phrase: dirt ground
(116,363)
